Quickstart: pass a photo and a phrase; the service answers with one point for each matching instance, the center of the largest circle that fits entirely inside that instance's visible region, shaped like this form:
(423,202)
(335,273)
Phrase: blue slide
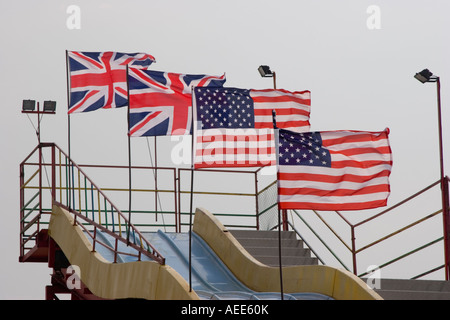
(210,278)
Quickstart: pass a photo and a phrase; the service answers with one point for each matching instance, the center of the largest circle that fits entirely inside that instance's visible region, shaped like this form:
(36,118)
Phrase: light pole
(267,73)
(426,76)
(28,106)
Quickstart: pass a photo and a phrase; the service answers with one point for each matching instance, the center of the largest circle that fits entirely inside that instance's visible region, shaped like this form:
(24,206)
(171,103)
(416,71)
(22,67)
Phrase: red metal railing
(370,223)
(79,195)
(47,176)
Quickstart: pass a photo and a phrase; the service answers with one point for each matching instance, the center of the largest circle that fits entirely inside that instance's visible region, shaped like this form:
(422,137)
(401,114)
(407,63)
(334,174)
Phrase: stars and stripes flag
(333,170)
(235,126)
(161,102)
(99,80)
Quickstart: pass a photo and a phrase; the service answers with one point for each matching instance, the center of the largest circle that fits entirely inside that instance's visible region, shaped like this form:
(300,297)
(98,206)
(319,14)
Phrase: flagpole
(190,225)
(129,162)
(192,190)
(68,131)
(278,206)
(192,185)
(156,181)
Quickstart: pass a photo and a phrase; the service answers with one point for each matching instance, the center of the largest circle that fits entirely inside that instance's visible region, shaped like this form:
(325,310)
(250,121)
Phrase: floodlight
(265,71)
(425,76)
(28,105)
(49,106)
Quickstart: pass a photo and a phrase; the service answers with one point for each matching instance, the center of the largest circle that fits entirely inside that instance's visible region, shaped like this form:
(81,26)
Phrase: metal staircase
(263,245)
(404,289)
(48,176)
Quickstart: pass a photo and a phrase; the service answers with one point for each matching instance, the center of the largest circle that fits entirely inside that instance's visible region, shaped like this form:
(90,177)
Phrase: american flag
(161,102)
(333,170)
(99,80)
(235,126)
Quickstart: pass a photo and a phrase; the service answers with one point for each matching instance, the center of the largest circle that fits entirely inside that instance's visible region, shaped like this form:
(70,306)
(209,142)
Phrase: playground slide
(210,277)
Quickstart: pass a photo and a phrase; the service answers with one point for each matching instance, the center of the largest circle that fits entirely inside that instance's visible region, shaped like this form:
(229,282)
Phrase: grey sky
(360,79)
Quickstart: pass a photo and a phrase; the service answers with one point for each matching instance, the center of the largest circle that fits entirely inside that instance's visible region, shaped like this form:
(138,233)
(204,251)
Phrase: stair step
(261,242)
(413,295)
(238,234)
(407,289)
(415,285)
(264,246)
(285,251)
(273,261)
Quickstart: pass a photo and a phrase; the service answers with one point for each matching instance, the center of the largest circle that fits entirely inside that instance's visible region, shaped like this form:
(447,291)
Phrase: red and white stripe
(292,109)
(254,147)
(234,148)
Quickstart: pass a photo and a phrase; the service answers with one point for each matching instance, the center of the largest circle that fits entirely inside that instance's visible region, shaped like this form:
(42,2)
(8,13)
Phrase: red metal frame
(45,248)
(352,247)
(38,252)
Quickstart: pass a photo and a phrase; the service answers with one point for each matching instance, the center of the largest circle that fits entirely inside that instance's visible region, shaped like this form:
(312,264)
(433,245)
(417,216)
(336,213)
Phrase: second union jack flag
(98,79)
(161,102)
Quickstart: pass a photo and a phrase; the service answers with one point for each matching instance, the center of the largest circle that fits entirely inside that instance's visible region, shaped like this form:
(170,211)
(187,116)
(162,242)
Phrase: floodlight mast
(28,106)
(265,72)
(426,76)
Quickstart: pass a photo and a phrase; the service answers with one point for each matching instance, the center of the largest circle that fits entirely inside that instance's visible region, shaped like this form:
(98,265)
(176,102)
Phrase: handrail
(405,255)
(332,230)
(144,246)
(70,185)
(87,199)
(177,190)
(399,231)
(306,242)
(353,248)
(267,187)
(398,204)
(153,254)
(320,239)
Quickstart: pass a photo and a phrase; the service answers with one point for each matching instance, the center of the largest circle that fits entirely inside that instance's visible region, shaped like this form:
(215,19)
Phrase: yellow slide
(150,280)
(336,283)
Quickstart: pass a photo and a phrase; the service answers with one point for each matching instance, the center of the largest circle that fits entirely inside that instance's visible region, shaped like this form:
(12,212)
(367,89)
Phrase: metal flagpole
(156,181)
(279,213)
(192,189)
(68,132)
(129,162)
(190,224)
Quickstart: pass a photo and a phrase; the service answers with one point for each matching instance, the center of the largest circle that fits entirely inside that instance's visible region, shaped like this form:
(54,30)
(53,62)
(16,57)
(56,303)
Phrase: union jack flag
(98,79)
(161,102)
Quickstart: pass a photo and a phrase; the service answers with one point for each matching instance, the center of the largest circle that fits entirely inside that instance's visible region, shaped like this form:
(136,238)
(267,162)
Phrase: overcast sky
(357,58)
